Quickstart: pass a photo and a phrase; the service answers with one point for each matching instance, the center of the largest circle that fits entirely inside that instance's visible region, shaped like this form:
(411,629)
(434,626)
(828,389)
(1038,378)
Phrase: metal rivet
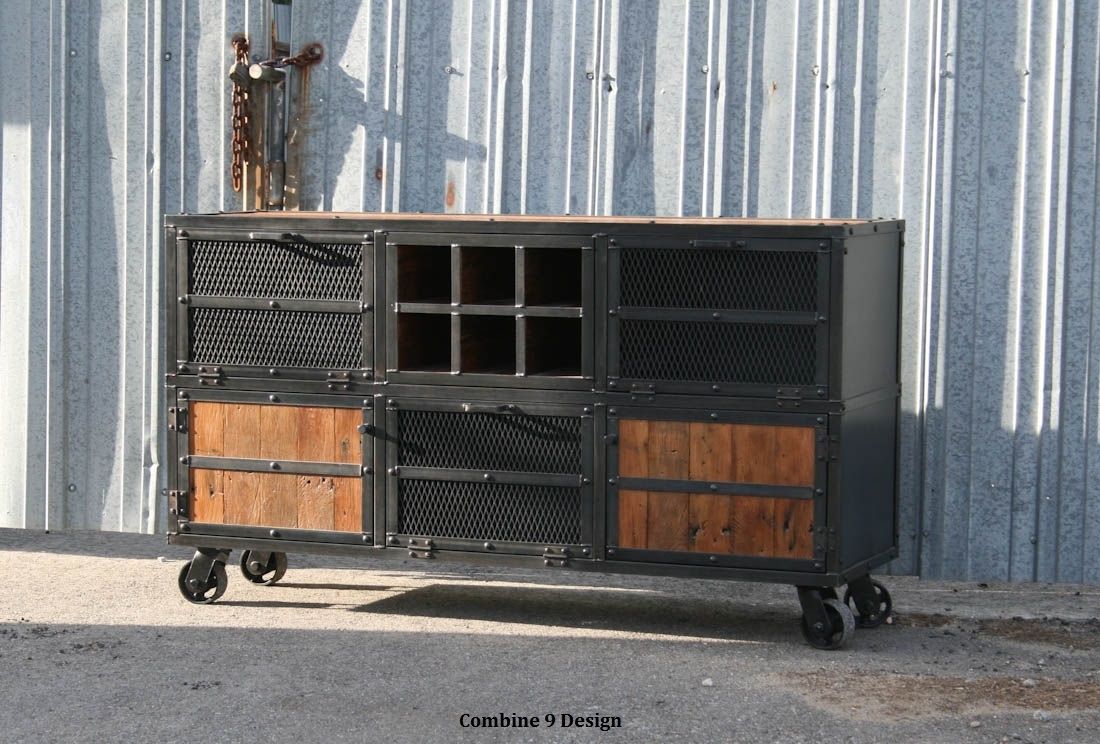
(714,416)
(590,75)
(366,538)
(714,559)
(72,487)
(273,304)
(612,312)
(487,476)
(586,481)
(167,56)
(182,368)
(715,388)
(613,411)
(185,394)
(716,316)
(273,465)
(714,486)
(610,481)
(705,68)
(273,398)
(182,300)
(488,546)
(274,533)
(449,69)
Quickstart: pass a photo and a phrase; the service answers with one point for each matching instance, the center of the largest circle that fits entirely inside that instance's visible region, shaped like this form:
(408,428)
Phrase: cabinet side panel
(869,307)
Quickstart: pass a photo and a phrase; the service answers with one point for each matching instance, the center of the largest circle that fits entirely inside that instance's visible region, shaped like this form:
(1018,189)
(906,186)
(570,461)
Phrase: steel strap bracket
(555,557)
(421,548)
(177,504)
(339,381)
(177,419)
(210,375)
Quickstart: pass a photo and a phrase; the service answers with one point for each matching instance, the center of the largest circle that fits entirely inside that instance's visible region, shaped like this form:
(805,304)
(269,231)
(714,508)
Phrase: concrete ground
(97,645)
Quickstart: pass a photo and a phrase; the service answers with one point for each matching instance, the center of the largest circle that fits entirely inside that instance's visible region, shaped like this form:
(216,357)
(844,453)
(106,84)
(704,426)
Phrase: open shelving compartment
(491,310)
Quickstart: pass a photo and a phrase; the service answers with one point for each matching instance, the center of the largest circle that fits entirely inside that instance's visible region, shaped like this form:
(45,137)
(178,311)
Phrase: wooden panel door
(744,489)
(312,434)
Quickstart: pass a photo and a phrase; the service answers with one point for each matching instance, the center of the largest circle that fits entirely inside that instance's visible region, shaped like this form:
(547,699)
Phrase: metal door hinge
(645,392)
(339,381)
(177,504)
(421,548)
(834,448)
(210,375)
(177,419)
(555,557)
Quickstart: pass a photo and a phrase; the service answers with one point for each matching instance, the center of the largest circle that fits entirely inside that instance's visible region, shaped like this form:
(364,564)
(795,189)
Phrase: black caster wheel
(268,572)
(842,626)
(215,586)
(881,613)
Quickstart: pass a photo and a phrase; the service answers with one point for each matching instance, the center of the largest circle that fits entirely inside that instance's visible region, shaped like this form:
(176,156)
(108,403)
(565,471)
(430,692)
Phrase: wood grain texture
(633,516)
(794,456)
(207,497)
(669,449)
(709,517)
(279,432)
(278,494)
(316,434)
(241,437)
(794,523)
(633,448)
(349,447)
(206,428)
(711,457)
(242,497)
(668,524)
(316,502)
(753,525)
(348,504)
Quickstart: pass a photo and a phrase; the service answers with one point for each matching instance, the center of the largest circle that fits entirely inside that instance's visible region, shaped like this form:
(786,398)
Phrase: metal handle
(277,237)
(487,408)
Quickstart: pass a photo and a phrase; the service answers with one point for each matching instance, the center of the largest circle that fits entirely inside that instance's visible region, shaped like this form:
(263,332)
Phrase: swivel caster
(827,623)
(872,602)
(263,568)
(203,590)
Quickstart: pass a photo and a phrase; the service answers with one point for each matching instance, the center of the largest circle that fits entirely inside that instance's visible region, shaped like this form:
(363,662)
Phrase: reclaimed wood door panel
(713,523)
(276,432)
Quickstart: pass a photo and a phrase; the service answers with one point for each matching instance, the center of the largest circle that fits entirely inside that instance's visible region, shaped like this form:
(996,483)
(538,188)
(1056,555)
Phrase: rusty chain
(240,117)
(309,55)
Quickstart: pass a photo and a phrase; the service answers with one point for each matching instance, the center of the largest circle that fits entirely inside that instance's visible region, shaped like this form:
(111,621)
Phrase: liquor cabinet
(680,396)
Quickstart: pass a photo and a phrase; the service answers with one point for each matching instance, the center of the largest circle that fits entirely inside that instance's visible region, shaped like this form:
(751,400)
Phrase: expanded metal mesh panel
(266,338)
(487,441)
(489,511)
(307,271)
(731,278)
(750,353)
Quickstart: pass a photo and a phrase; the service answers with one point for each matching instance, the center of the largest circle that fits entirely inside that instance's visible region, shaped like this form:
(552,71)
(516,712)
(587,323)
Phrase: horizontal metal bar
(667,409)
(506,477)
(219,228)
(460,235)
(578,551)
(530,311)
(297,467)
(715,559)
(717,315)
(738,489)
(467,400)
(273,303)
(545,382)
(279,533)
(327,400)
(720,388)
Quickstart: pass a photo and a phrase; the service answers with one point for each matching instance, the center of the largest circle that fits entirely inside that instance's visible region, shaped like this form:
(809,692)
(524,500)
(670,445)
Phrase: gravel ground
(97,645)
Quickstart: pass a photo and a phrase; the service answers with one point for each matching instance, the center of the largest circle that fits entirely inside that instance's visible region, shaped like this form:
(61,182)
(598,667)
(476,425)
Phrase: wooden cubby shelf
(424,273)
(487,275)
(553,346)
(552,277)
(487,344)
(424,342)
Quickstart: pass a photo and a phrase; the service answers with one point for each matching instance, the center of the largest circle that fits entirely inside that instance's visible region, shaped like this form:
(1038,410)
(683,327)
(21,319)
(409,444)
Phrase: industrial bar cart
(685,397)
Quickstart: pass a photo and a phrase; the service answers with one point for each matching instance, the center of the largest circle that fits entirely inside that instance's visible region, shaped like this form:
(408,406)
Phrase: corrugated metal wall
(977,122)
